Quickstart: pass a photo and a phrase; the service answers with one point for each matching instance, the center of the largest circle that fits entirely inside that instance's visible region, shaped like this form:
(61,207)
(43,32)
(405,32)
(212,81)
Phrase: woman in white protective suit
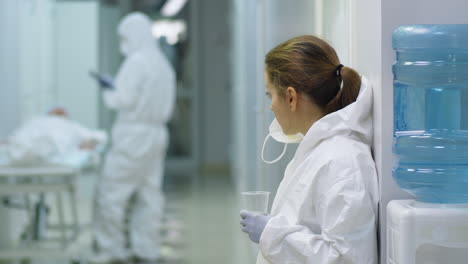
(325,210)
(143,95)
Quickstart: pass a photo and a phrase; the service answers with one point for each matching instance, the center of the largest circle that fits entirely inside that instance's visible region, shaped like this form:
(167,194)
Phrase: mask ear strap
(263,151)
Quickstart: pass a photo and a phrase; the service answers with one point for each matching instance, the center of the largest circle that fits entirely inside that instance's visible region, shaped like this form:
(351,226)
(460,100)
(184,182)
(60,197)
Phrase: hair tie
(338,70)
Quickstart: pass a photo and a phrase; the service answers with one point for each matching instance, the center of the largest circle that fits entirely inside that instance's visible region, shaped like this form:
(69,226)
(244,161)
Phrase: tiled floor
(214,234)
(201,223)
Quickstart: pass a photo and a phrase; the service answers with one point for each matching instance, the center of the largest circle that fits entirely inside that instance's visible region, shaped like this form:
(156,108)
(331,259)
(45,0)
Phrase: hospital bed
(30,188)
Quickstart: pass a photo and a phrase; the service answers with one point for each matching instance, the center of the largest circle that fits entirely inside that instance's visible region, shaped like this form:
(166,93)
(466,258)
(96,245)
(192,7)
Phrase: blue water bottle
(431,112)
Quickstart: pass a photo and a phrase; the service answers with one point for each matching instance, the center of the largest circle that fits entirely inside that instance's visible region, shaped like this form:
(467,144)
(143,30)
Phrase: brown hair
(309,64)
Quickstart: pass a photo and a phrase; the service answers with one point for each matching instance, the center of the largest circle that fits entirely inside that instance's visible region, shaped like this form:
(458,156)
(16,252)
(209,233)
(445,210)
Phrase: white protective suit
(325,210)
(49,139)
(144,96)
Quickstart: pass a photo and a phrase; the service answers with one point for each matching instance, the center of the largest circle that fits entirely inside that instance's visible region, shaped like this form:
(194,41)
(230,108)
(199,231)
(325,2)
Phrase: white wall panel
(9,92)
(76,47)
(337,27)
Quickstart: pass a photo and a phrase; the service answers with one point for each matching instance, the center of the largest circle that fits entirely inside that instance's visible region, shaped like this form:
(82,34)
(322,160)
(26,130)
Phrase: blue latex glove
(253,224)
(105,81)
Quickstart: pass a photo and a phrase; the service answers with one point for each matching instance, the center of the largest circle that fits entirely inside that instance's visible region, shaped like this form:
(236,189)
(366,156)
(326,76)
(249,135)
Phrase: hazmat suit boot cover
(326,205)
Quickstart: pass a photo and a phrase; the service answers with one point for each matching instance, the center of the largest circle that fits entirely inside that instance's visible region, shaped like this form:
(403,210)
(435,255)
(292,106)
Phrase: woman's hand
(253,224)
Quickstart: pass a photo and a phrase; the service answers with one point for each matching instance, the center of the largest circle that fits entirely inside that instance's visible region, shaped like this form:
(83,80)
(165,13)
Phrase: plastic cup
(255,201)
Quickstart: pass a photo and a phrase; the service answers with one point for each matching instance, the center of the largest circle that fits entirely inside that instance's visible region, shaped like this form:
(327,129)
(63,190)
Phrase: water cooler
(430,146)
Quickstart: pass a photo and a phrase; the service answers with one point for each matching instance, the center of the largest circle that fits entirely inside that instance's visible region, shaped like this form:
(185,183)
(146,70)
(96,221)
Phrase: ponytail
(348,92)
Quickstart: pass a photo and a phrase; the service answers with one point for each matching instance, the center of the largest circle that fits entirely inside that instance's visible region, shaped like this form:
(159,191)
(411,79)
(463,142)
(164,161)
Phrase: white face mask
(276,132)
(124,46)
(124,49)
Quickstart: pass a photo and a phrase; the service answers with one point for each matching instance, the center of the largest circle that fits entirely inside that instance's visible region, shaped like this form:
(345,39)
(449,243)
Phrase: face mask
(124,49)
(124,46)
(276,132)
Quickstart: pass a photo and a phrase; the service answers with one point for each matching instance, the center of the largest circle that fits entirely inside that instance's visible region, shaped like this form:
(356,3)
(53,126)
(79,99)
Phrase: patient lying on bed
(52,138)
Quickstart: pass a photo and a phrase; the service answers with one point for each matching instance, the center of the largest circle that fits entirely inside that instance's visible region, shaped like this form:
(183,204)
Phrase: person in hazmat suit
(143,93)
(325,210)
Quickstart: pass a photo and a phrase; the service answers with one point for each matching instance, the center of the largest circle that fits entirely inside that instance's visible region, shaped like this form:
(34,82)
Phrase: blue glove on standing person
(253,224)
(105,81)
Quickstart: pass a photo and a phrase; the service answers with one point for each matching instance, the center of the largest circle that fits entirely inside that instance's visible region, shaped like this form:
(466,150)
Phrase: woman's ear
(292,98)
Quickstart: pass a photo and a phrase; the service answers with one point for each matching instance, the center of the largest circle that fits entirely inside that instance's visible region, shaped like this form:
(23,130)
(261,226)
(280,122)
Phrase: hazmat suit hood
(145,83)
(356,117)
(135,34)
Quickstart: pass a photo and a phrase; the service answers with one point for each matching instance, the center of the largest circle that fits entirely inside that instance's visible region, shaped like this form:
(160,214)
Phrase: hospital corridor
(200,221)
(233,132)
